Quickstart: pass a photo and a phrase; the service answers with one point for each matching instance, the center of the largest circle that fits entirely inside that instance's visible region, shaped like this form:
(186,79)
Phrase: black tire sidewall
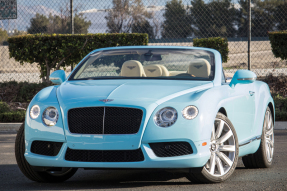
(27,169)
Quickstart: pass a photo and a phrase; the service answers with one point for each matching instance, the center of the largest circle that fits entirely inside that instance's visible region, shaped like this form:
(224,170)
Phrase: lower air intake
(104,155)
(47,148)
(171,149)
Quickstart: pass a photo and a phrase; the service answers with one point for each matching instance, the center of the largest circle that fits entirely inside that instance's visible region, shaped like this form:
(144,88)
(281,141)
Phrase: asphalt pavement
(274,178)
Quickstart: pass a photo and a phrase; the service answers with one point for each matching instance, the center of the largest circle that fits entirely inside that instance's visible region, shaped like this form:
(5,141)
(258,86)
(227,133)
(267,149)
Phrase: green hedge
(217,43)
(13,116)
(4,107)
(280,108)
(10,116)
(278,40)
(20,91)
(61,50)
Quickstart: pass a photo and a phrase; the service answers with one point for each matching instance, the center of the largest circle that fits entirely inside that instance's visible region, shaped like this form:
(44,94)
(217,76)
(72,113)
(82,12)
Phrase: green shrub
(217,43)
(4,107)
(281,116)
(20,91)
(278,41)
(280,108)
(13,116)
(58,50)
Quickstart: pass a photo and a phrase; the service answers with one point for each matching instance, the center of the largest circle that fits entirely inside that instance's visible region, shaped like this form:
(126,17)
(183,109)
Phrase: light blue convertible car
(148,107)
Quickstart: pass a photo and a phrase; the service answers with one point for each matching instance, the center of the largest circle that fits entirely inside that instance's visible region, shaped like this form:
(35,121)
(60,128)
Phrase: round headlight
(50,116)
(35,111)
(165,117)
(190,112)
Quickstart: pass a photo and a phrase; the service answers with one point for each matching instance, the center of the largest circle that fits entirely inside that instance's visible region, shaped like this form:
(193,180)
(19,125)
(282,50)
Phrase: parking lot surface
(274,178)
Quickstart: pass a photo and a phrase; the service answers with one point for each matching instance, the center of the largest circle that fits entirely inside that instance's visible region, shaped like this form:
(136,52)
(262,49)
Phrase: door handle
(251,93)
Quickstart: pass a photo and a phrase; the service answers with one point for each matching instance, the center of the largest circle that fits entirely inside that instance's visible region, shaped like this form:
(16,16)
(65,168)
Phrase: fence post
(72,24)
(249,34)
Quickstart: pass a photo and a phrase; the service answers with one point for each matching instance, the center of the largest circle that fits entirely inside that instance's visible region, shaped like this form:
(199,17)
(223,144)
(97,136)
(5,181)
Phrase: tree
(213,19)
(17,32)
(38,24)
(125,14)
(281,16)
(177,22)
(59,23)
(262,17)
(143,27)
(3,36)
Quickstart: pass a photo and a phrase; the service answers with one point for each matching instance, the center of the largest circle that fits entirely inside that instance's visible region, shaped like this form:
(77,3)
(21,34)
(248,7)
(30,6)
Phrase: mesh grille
(170,149)
(46,148)
(88,120)
(104,156)
(120,120)
(117,120)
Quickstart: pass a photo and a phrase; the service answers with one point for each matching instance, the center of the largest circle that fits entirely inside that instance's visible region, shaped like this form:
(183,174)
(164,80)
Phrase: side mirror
(58,77)
(242,77)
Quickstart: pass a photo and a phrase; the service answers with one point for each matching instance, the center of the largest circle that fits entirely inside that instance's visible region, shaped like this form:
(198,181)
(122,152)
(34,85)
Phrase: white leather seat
(165,72)
(199,68)
(132,68)
(175,73)
(155,70)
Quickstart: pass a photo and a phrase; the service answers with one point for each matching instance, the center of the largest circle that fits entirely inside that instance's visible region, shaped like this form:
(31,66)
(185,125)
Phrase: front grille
(104,120)
(104,155)
(88,120)
(171,149)
(46,148)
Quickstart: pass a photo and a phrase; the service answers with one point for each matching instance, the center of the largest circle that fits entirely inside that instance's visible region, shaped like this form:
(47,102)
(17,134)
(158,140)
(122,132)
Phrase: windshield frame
(74,72)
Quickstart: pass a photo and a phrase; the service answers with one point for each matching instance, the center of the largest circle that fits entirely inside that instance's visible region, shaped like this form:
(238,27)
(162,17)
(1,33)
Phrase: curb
(280,125)
(15,126)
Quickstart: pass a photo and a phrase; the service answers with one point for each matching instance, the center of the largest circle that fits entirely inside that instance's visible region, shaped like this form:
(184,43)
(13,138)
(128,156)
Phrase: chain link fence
(168,22)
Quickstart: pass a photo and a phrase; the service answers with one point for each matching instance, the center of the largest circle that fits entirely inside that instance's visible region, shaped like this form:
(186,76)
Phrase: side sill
(250,140)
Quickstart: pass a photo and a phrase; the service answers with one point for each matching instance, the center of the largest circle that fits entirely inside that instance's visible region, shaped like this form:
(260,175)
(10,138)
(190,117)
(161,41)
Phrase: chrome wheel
(269,136)
(222,148)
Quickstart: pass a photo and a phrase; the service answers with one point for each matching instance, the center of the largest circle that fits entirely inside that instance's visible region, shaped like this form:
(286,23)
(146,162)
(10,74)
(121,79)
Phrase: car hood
(143,94)
(125,92)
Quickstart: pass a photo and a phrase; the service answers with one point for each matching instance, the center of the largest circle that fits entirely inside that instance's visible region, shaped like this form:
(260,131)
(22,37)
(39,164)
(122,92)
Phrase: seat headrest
(165,72)
(153,70)
(132,68)
(199,68)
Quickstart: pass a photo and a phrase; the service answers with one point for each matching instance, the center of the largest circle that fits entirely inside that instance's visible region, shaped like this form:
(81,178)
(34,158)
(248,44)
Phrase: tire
(263,157)
(28,170)
(224,151)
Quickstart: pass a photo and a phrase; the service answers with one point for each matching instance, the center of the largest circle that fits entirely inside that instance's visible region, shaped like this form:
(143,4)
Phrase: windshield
(147,63)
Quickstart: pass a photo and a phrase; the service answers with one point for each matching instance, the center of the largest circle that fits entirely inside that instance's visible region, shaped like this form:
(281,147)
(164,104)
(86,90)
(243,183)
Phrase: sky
(28,8)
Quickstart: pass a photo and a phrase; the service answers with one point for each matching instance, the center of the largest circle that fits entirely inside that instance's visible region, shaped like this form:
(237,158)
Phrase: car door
(243,114)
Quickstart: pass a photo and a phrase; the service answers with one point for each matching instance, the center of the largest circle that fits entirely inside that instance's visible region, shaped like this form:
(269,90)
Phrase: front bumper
(197,159)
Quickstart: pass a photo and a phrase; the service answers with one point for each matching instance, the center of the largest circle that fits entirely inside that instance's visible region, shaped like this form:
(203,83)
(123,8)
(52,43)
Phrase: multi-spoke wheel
(269,135)
(264,155)
(223,153)
(222,148)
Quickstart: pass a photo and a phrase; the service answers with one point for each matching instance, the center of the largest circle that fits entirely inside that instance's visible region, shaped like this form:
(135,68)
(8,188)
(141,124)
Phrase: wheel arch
(271,106)
(223,111)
